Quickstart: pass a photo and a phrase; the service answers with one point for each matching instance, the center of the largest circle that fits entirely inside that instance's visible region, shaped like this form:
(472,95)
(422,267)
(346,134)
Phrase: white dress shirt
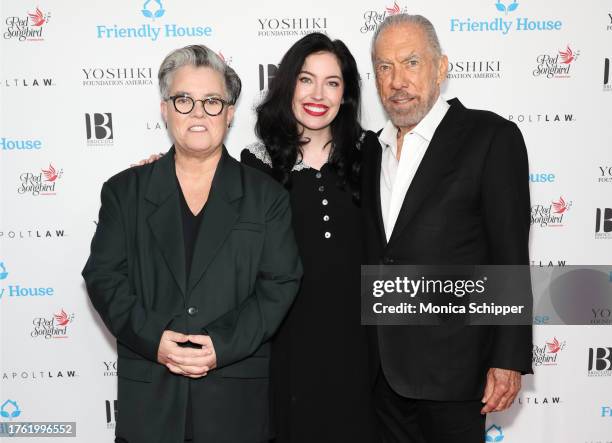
(396,175)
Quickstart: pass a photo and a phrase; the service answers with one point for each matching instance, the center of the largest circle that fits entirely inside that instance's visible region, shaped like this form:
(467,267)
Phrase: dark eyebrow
(328,77)
(211,95)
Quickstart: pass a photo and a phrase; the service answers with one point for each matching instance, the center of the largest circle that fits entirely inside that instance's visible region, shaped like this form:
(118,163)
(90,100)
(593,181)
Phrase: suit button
(192,310)
(388,261)
(318,175)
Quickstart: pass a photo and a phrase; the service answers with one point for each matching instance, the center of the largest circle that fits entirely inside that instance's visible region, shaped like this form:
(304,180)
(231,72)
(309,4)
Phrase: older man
(442,185)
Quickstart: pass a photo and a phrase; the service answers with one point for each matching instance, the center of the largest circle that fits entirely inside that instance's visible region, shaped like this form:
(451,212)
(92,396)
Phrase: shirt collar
(425,128)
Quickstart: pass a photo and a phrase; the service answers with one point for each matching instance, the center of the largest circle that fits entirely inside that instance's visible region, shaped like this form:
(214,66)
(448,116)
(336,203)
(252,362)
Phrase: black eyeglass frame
(204,100)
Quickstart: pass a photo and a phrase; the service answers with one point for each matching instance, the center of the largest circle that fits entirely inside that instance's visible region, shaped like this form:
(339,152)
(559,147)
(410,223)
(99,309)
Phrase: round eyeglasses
(184,104)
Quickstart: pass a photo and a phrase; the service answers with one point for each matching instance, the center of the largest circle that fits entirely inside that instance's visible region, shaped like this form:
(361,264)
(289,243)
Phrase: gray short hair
(408,19)
(198,55)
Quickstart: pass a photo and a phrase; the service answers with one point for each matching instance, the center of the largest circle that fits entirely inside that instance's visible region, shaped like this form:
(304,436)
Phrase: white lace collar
(258,149)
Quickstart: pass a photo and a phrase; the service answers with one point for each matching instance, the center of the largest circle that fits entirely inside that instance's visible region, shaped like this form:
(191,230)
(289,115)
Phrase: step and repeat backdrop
(79,102)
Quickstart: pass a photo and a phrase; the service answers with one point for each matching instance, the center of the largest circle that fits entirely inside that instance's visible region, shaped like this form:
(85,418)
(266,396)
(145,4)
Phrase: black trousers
(406,420)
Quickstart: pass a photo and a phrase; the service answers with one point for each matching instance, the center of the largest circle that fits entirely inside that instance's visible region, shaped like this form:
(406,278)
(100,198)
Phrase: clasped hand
(191,362)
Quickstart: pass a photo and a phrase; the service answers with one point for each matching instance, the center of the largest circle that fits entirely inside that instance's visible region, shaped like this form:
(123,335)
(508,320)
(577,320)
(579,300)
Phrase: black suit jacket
(468,204)
(244,276)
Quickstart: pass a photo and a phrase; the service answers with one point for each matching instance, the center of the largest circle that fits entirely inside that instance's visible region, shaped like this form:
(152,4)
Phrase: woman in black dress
(310,141)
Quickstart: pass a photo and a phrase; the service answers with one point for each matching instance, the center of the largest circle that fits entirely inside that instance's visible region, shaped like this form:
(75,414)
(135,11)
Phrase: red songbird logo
(50,174)
(554,346)
(394,10)
(560,207)
(567,56)
(37,17)
(62,318)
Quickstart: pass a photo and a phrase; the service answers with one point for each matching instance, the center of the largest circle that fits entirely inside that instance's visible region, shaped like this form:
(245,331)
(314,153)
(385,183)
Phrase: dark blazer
(468,204)
(244,276)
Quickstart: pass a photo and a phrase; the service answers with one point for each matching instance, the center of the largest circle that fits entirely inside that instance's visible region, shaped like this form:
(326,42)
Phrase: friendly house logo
(153,9)
(153,12)
(507,19)
(494,433)
(10,409)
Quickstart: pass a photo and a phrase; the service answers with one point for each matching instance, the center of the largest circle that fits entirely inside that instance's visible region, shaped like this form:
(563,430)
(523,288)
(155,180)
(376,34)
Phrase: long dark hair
(278,129)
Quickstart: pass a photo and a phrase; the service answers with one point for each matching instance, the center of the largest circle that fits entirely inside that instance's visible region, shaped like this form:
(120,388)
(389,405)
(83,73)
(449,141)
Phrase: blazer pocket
(251,367)
(248,226)
(132,369)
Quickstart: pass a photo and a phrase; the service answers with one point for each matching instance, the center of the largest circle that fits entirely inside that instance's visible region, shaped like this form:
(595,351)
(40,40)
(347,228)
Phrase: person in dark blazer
(442,184)
(192,268)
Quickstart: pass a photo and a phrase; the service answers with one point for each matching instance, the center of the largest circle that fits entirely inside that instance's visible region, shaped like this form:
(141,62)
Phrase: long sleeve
(506,210)
(106,278)
(238,333)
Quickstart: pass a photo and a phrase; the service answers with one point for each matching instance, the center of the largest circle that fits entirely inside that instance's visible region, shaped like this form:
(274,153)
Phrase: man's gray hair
(408,19)
(198,55)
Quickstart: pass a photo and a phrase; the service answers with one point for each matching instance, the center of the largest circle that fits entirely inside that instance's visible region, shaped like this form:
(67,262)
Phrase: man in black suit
(442,185)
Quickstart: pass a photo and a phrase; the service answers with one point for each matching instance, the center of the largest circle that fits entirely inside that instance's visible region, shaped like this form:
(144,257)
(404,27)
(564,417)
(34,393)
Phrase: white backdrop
(79,103)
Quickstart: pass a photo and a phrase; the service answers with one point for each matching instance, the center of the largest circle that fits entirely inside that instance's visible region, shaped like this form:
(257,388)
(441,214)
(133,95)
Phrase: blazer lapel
(165,221)
(221,213)
(436,162)
(376,187)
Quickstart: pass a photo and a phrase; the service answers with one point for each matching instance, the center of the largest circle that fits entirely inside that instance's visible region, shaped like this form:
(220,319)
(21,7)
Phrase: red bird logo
(561,206)
(51,174)
(554,346)
(62,318)
(567,56)
(37,17)
(394,10)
